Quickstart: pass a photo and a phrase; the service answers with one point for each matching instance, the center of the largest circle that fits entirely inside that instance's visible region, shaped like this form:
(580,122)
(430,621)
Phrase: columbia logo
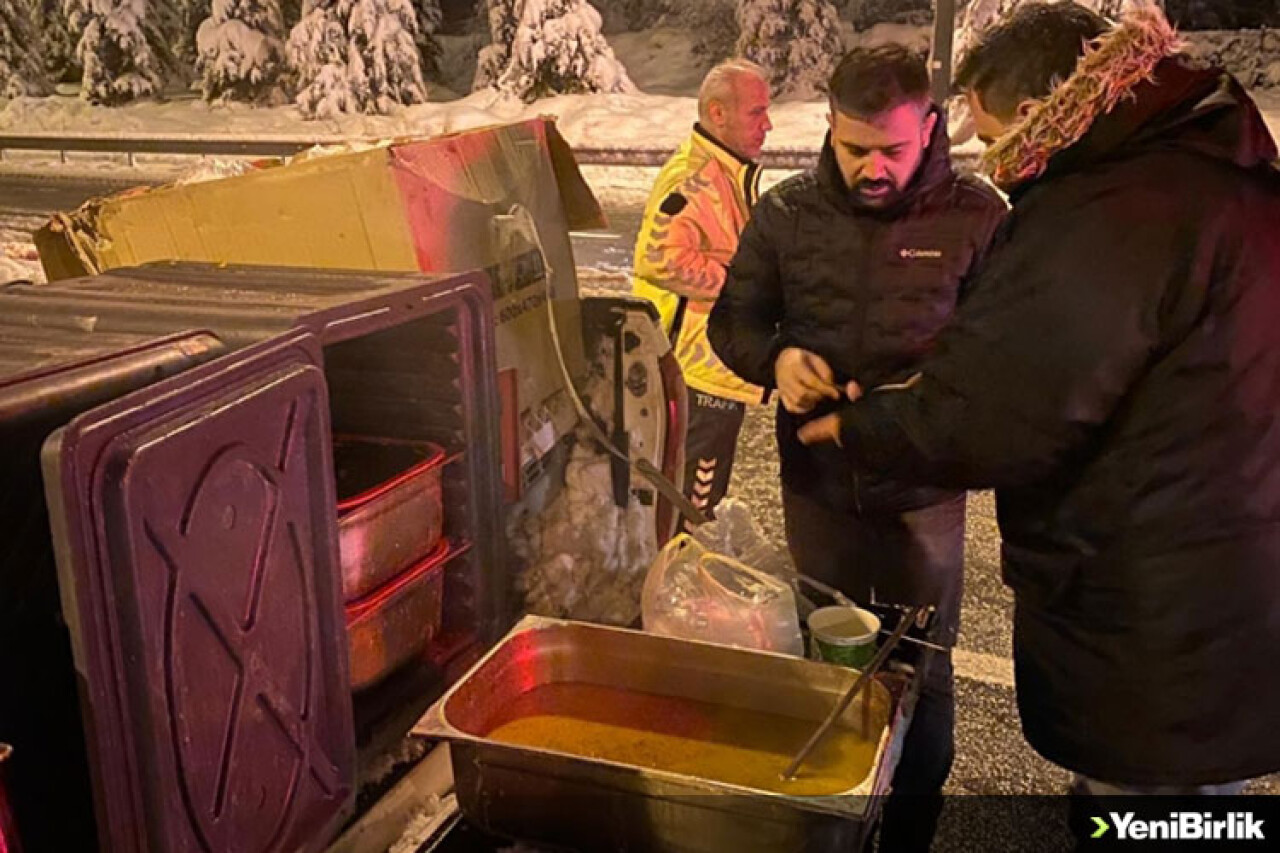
(915,254)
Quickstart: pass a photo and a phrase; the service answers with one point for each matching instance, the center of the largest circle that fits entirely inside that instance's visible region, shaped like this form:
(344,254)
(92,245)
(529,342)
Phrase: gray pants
(913,557)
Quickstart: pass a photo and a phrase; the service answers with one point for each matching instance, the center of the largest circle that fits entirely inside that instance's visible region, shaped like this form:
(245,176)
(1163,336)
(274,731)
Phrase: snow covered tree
(163,25)
(60,41)
(317,54)
(22,69)
(429,20)
(241,51)
(504,17)
(385,65)
(117,51)
(355,56)
(796,41)
(558,49)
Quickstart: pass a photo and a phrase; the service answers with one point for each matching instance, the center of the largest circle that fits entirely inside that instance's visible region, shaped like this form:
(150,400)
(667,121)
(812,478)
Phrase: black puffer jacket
(1116,376)
(866,290)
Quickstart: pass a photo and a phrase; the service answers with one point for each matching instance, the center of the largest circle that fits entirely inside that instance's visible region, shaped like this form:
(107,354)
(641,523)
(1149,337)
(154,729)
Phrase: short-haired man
(847,274)
(696,210)
(1116,378)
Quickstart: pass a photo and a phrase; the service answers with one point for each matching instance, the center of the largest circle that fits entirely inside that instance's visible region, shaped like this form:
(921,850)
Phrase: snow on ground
(12,269)
(18,257)
(608,121)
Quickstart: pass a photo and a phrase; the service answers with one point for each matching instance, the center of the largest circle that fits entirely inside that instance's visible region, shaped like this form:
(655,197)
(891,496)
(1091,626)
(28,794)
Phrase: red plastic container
(389,508)
(389,626)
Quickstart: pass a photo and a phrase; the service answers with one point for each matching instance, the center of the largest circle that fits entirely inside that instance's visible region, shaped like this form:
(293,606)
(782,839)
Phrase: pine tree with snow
(797,42)
(355,56)
(163,25)
(317,54)
(559,49)
(504,18)
(241,51)
(117,51)
(429,19)
(60,41)
(385,67)
(22,69)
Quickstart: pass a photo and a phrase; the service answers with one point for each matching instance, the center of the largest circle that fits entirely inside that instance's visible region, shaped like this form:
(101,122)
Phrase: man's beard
(882,199)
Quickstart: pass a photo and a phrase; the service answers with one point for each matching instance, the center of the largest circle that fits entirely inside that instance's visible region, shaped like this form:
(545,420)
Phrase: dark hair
(870,80)
(1027,54)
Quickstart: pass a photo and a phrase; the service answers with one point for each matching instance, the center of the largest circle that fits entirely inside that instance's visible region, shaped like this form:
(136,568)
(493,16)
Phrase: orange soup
(713,742)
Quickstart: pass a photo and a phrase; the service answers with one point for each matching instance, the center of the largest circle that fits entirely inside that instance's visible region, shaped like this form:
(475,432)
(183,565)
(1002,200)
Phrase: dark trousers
(714,424)
(914,557)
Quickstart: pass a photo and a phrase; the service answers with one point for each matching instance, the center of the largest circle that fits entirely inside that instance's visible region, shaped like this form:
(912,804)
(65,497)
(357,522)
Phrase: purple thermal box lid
(199,573)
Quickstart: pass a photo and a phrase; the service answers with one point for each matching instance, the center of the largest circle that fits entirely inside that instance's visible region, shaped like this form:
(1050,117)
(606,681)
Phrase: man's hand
(803,378)
(825,428)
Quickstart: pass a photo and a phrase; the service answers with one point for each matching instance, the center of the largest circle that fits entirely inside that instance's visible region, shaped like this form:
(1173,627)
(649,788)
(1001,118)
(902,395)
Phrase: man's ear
(930,122)
(715,113)
(831,120)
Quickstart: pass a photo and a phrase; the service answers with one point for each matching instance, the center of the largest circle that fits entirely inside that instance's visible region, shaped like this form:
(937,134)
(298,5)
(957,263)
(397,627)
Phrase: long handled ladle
(865,676)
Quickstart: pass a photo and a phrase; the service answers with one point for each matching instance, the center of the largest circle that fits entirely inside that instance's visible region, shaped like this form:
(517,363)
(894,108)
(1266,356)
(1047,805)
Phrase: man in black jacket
(848,273)
(1116,378)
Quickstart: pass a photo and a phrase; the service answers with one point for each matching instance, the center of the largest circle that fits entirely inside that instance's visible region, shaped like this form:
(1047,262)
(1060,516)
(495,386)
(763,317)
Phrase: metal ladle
(904,624)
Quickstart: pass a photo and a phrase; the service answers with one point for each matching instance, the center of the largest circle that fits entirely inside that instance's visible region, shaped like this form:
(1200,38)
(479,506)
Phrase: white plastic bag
(734,533)
(696,594)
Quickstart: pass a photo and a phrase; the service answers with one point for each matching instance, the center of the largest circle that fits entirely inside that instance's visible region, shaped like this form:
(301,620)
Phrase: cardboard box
(447,204)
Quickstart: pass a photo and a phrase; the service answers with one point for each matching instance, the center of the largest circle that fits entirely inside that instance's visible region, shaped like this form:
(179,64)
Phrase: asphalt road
(47,193)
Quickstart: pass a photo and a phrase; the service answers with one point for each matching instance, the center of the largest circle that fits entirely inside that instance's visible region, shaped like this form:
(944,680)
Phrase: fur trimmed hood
(1108,73)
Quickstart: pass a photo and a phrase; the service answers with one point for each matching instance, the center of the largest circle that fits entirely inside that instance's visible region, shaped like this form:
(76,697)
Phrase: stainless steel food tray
(588,804)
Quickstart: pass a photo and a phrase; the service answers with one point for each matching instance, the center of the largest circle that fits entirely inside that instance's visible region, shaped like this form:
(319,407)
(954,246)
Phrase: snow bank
(606,121)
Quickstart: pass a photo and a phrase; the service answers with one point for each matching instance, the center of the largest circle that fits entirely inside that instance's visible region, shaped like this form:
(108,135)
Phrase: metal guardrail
(157,145)
(286,146)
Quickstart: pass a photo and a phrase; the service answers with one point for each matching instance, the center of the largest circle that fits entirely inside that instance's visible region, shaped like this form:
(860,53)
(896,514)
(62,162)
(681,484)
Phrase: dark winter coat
(1116,377)
(866,290)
